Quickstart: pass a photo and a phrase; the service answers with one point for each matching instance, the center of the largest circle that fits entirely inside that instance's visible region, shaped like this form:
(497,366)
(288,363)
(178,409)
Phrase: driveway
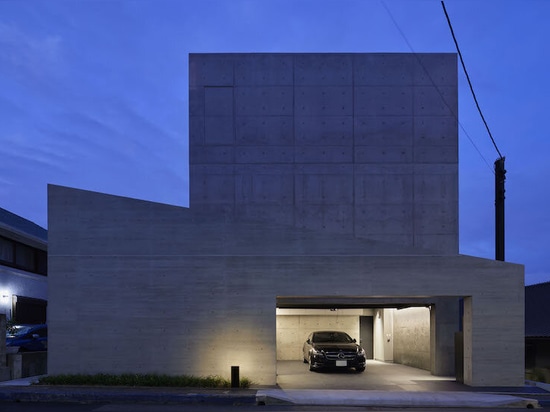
(377,376)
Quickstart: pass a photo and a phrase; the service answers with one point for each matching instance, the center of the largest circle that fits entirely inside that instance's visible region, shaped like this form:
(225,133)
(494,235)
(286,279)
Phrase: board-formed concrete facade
(286,213)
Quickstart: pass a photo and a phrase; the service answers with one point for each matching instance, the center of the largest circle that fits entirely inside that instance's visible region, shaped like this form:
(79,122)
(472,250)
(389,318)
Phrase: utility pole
(500,171)
(500,177)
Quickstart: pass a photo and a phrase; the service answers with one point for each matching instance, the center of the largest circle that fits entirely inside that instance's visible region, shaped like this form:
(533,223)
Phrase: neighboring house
(323,194)
(537,326)
(23,269)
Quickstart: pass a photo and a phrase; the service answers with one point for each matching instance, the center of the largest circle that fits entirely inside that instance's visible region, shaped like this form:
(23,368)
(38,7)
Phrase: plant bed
(150,380)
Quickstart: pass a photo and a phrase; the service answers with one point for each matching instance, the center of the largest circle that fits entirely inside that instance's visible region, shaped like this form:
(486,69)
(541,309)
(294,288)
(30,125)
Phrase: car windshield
(339,337)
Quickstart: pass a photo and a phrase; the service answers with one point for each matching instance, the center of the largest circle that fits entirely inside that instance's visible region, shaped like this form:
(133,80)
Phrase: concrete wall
(143,287)
(383,335)
(444,317)
(294,326)
(411,335)
(359,144)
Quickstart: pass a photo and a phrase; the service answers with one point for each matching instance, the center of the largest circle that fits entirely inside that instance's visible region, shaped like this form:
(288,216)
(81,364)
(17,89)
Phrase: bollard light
(235,379)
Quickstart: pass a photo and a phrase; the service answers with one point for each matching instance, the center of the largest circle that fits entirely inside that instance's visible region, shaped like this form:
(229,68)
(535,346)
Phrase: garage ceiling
(352,302)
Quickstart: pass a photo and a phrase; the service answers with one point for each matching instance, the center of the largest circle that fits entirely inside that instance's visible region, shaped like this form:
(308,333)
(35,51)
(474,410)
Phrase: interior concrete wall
(364,144)
(411,336)
(383,335)
(123,273)
(293,328)
(444,316)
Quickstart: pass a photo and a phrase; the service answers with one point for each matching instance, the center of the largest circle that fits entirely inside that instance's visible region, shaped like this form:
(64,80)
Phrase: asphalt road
(69,407)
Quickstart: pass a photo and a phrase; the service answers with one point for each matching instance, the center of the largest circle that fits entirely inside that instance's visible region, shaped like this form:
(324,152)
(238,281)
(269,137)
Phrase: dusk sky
(94,95)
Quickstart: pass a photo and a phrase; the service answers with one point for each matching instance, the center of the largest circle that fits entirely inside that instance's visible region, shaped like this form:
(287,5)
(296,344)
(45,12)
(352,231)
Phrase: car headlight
(360,352)
(316,352)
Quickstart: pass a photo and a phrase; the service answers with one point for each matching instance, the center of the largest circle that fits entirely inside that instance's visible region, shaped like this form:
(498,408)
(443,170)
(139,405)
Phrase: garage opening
(393,332)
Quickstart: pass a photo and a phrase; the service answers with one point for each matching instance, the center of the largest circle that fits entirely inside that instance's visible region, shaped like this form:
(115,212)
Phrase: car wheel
(311,368)
(305,360)
(359,370)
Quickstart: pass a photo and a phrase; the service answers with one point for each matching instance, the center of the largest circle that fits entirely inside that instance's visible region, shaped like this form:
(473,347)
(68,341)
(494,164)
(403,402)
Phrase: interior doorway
(366,335)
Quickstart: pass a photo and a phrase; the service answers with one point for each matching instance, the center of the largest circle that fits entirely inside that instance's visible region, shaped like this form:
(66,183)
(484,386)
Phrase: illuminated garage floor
(377,376)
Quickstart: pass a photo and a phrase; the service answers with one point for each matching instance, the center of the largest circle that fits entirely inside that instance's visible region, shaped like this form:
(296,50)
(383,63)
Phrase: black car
(333,349)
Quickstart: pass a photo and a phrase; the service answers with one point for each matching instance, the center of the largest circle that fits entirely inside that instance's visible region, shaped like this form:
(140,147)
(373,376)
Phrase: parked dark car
(28,338)
(333,349)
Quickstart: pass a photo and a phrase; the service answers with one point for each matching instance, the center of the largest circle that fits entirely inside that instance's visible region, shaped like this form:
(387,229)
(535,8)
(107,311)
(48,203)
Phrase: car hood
(337,346)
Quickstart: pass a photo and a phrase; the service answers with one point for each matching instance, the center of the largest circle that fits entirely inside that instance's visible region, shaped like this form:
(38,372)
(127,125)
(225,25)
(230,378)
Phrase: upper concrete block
(218,101)
(435,188)
(386,219)
(384,130)
(436,154)
(337,219)
(215,185)
(265,188)
(219,130)
(435,130)
(436,69)
(212,154)
(264,130)
(384,69)
(264,70)
(264,101)
(330,69)
(383,154)
(397,189)
(431,219)
(210,70)
(264,154)
(324,130)
(324,189)
(435,101)
(324,154)
(196,101)
(365,116)
(196,132)
(383,101)
(323,100)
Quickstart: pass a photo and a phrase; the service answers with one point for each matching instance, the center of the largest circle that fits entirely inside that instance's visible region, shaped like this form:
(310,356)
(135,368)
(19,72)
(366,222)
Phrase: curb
(393,399)
(128,396)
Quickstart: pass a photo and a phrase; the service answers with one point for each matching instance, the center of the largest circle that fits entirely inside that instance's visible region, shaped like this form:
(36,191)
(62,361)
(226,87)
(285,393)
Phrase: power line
(433,83)
(468,78)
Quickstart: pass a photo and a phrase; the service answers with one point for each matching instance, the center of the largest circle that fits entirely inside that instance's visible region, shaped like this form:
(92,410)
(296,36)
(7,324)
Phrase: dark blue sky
(93,94)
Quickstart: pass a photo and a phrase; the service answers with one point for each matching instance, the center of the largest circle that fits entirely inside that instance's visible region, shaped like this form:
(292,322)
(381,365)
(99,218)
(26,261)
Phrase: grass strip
(148,380)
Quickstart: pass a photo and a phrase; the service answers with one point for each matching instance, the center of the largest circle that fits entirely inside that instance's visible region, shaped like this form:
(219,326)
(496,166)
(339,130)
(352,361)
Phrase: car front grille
(340,355)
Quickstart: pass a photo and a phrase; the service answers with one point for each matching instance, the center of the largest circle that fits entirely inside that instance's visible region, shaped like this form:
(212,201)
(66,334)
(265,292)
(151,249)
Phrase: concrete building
(23,269)
(323,194)
(537,331)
